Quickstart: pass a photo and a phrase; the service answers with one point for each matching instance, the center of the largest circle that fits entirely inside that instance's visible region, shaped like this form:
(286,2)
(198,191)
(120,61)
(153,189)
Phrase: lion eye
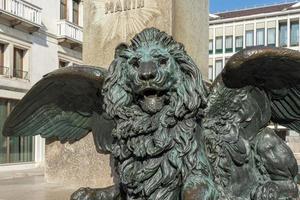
(163,62)
(134,62)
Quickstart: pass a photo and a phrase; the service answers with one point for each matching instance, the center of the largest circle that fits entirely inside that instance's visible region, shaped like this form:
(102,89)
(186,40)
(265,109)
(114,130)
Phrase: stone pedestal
(77,165)
(294,144)
(106,24)
(190,27)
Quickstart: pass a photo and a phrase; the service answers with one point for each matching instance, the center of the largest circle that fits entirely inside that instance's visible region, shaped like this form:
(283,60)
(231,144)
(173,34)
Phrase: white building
(229,32)
(36,37)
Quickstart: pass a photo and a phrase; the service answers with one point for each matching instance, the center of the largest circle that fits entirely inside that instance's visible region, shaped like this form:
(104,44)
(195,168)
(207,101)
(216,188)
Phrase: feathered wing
(257,85)
(66,104)
(274,70)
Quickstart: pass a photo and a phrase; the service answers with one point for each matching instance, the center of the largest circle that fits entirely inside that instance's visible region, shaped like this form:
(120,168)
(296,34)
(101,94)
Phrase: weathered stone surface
(190,27)
(77,164)
(109,22)
(294,144)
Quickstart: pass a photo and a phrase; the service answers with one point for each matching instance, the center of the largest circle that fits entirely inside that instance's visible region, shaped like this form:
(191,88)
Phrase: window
(211,47)
(238,43)
(75,11)
(271,37)
(63,9)
(219,67)
(210,73)
(63,64)
(15,149)
(228,44)
(3,70)
(260,37)
(283,34)
(249,38)
(219,45)
(294,33)
(18,71)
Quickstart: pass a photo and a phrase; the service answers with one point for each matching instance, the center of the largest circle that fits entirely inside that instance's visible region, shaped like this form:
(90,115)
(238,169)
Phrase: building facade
(274,25)
(36,37)
(229,32)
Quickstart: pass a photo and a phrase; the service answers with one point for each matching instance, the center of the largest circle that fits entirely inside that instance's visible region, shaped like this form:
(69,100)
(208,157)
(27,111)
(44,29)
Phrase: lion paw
(268,191)
(83,194)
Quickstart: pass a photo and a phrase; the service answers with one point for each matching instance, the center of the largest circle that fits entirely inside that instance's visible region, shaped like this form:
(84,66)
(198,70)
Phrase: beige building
(274,25)
(36,37)
(229,32)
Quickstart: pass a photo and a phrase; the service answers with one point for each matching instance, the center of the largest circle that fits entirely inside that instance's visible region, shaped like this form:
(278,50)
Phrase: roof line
(259,6)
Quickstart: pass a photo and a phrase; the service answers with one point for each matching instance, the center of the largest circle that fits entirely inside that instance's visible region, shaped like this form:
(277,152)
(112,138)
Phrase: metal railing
(22,9)
(4,71)
(20,74)
(69,30)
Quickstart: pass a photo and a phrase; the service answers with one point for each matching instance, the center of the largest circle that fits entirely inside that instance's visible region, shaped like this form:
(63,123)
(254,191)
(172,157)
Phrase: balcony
(21,13)
(70,34)
(20,74)
(4,71)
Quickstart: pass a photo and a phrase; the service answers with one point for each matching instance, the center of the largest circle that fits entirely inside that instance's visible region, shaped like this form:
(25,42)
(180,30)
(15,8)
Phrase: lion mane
(191,94)
(156,147)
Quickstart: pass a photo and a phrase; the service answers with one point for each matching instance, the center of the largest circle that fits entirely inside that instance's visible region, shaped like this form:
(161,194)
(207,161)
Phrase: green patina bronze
(171,137)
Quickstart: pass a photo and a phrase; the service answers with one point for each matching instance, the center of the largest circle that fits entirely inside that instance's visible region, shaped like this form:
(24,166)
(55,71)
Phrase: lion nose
(147,71)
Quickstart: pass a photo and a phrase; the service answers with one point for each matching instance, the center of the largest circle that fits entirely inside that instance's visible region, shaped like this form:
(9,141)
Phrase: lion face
(151,77)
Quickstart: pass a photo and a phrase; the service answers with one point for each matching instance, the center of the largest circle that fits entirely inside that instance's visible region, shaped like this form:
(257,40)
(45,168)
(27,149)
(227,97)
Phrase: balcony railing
(22,9)
(4,71)
(69,31)
(20,74)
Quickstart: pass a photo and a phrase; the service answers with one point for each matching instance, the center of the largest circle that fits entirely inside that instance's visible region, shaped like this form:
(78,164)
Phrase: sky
(223,5)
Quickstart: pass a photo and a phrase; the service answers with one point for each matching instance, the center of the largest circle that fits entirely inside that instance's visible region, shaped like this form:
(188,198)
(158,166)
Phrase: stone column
(106,24)
(190,27)
(294,144)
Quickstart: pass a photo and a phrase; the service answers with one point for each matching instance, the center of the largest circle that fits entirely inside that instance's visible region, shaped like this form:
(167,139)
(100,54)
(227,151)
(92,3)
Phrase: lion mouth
(152,93)
(152,100)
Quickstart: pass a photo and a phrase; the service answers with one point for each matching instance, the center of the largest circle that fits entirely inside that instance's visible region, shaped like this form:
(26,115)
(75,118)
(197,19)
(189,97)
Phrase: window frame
(292,43)
(210,73)
(246,41)
(229,50)
(16,70)
(281,44)
(65,10)
(75,20)
(67,63)
(2,52)
(219,51)
(242,39)
(263,36)
(216,71)
(268,31)
(17,144)
(211,46)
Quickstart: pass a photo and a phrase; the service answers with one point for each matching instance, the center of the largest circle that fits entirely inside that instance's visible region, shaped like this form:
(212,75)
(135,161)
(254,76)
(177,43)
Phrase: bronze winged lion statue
(171,137)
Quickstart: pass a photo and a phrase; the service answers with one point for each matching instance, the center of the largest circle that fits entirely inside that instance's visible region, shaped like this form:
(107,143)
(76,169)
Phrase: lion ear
(120,49)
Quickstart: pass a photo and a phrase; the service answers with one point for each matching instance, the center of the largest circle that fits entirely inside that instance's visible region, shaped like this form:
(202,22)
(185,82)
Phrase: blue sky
(223,5)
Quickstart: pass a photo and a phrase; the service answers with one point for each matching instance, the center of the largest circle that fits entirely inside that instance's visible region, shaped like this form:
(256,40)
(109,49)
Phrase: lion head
(152,73)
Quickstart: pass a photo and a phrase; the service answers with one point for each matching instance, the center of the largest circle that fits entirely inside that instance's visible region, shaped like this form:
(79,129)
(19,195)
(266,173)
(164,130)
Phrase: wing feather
(274,70)
(63,105)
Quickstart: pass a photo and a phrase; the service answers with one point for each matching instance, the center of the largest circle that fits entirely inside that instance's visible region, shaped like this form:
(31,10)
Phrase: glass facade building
(14,149)
(273,26)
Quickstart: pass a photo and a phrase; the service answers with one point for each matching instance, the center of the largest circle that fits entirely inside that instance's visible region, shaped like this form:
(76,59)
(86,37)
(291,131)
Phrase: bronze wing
(274,70)
(257,85)
(66,105)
